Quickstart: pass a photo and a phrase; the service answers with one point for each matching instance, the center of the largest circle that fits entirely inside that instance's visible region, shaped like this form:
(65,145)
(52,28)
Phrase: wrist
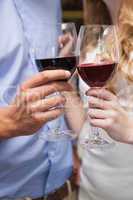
(7,128)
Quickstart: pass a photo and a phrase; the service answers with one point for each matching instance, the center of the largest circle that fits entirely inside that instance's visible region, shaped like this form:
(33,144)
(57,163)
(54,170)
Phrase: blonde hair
(125,66)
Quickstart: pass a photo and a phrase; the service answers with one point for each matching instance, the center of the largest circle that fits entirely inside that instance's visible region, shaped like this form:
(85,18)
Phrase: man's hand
(31,108)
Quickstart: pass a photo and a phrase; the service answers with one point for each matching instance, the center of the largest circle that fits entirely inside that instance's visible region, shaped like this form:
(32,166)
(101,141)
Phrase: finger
(46,104)
(98,114)
(67,50)
(101,123)
(65,38)
(66,46)
(99,103)
(101,93)
(44,117)
(41,92)
(45,77)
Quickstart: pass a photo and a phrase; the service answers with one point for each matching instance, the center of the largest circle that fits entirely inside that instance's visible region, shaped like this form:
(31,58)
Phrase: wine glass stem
(95,133)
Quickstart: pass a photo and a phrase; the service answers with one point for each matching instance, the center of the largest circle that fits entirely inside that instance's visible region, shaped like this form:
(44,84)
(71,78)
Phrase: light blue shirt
(28,166)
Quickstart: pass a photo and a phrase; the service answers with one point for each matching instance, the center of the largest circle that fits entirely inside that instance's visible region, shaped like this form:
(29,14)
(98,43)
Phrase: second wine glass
(53,48)
(99,55)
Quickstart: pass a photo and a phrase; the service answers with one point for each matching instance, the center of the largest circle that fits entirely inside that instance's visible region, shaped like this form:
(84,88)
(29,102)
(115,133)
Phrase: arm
(74,111)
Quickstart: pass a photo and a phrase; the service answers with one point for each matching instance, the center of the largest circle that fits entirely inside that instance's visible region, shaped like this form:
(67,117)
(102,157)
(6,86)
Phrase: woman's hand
(106,112)
(66,43)
(31,108)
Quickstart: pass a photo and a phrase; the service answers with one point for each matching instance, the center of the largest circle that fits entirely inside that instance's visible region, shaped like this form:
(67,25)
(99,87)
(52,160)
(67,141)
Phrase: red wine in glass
(66,63)
(96,75)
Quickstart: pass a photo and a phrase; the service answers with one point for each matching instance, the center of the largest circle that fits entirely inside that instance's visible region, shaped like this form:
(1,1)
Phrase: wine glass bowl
(58,51)
(98,50)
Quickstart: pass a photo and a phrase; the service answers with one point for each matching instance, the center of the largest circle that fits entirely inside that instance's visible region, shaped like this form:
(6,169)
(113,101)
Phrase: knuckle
(91,112)
(100,103)
(54,87)
(57,112)
(49,104)
(58,100)
(49,118)
(30,109)
(91,105)
(34,117)
(44,75)
(63,73)
(33,107)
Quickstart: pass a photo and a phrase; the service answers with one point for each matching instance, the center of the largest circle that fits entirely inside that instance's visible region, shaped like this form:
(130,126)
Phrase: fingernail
(68,74)
(86,93)
(61,45)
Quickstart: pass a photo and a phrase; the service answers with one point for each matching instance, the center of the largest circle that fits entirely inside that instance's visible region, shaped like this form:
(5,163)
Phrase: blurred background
(79,11)
(73,11)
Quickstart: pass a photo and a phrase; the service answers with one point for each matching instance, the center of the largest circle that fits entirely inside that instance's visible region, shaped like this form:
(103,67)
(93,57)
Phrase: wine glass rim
(56,23)
(98,25)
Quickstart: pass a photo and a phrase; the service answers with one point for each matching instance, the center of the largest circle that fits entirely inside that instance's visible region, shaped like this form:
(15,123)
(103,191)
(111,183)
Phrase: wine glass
(98,50)
(53,48)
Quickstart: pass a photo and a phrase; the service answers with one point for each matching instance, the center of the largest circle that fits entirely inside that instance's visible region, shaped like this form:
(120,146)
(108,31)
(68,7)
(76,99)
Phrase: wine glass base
(54,136)
(96,143)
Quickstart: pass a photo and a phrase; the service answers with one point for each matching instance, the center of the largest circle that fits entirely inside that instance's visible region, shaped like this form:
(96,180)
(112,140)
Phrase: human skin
(31,109)
(106,112)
